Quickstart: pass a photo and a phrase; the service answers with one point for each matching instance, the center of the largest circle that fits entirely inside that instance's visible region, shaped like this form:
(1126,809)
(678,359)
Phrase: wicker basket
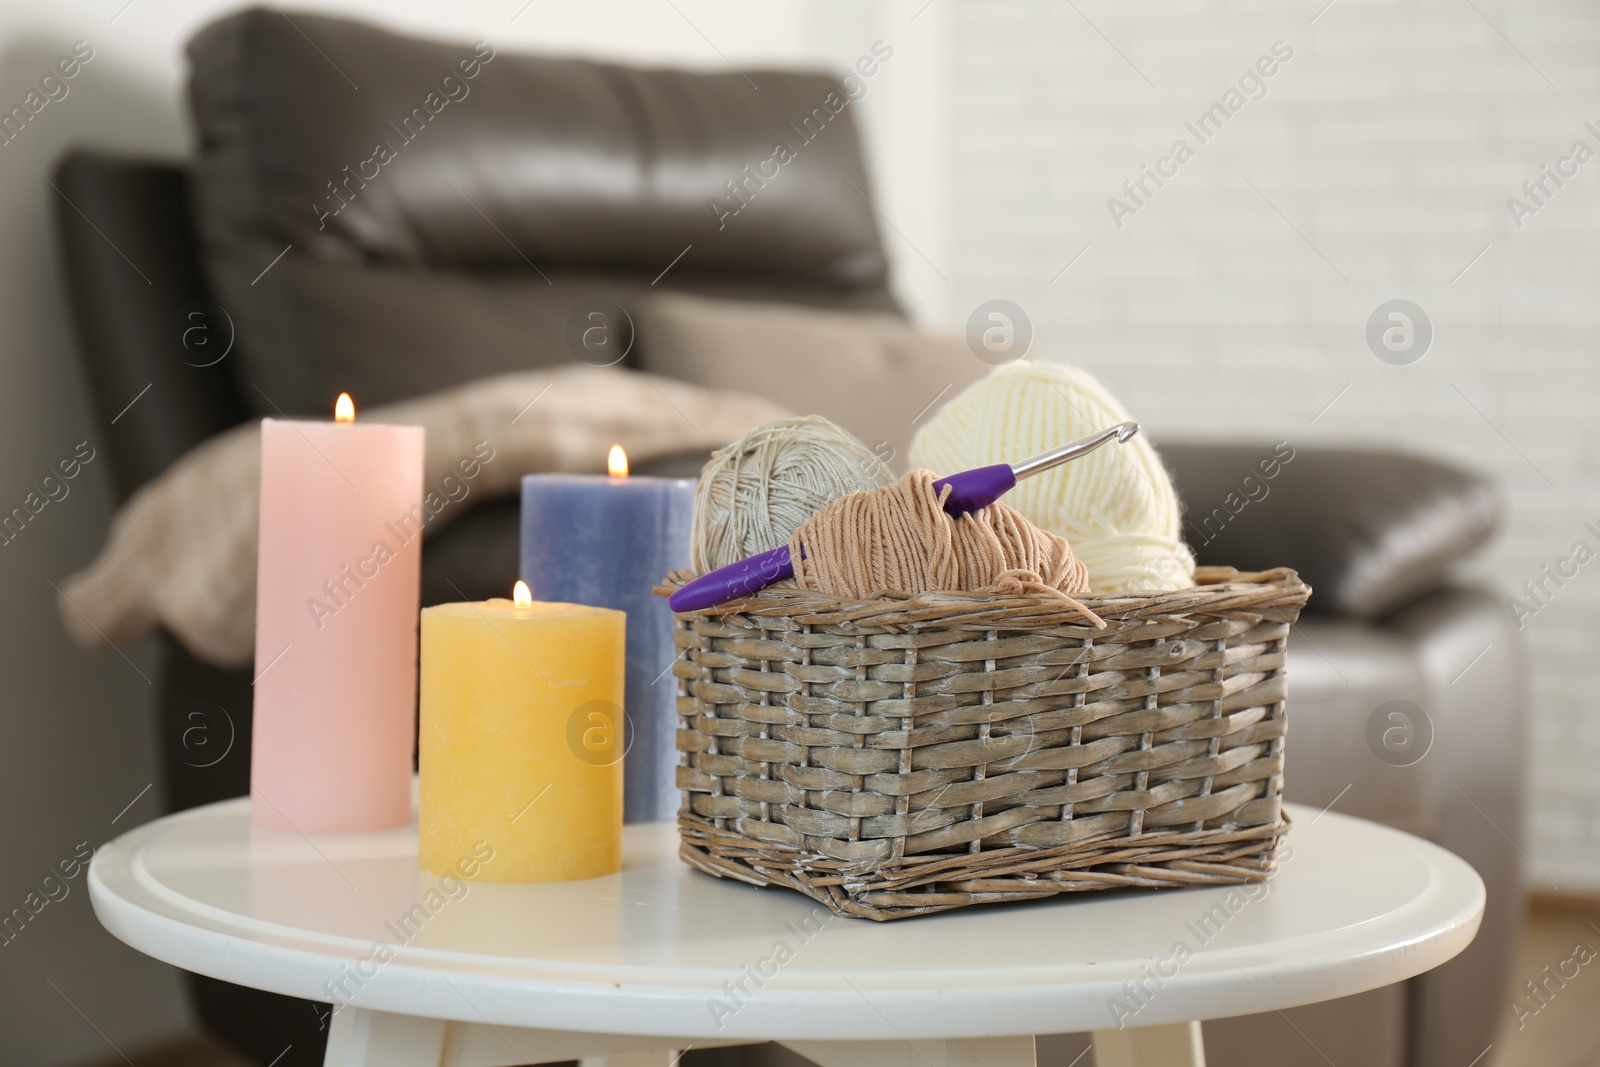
(901,756)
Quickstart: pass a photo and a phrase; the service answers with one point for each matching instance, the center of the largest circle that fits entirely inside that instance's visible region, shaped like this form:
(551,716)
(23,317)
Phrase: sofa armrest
(147,331)
(1474,674)
(1370,530)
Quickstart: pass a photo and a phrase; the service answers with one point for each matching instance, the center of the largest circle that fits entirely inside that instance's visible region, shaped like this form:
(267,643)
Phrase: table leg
(358,1037)
(978,1052)
(1172,1045)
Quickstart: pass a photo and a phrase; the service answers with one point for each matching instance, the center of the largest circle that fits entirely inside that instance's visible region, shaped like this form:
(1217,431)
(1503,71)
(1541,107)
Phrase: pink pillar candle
(337,601)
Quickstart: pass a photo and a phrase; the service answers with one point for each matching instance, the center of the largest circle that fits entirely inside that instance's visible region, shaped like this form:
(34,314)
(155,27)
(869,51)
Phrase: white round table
(628,968)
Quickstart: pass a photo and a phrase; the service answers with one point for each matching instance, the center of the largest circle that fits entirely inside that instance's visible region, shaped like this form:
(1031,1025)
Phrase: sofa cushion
(385,334)
(870,372)
(1369,529)
(377,166)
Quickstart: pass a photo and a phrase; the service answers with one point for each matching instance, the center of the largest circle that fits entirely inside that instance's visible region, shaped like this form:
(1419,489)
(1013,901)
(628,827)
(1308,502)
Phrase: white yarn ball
(1115,506)
(756,492)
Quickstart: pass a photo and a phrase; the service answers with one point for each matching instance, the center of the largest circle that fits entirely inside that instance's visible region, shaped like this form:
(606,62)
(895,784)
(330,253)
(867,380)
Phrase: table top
(662,950)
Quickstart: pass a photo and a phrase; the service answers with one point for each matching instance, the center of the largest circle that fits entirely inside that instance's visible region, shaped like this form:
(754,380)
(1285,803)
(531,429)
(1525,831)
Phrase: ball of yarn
(1116,506)
(899,540)
(757,491)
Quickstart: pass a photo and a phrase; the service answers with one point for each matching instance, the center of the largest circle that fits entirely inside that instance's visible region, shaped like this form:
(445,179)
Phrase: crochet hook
(970,491)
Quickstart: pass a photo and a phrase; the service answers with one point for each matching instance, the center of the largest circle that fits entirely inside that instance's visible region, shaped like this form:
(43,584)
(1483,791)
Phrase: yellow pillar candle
(521,739)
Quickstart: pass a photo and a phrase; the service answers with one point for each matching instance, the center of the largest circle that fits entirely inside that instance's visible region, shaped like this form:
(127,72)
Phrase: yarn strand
(898,540)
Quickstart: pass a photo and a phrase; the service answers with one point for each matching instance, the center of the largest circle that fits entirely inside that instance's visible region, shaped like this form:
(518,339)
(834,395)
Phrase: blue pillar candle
(606,541)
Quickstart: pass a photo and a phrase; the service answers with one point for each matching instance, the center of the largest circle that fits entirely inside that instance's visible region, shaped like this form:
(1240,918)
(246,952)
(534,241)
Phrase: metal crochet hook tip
(1122,432)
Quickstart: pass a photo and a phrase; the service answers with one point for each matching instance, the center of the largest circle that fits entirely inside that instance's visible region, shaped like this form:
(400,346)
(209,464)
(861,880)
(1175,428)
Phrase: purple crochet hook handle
(970,491)
(976,489)
(750,575)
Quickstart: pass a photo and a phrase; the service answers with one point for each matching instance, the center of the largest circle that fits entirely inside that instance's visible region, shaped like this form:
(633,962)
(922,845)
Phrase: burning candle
(337,593)
(607,540)
(520,747)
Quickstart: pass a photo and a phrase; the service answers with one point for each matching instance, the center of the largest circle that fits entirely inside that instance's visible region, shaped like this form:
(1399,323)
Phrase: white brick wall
(1391,141)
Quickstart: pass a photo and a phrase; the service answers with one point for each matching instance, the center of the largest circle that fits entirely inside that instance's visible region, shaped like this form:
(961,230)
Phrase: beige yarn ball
(1115,506)
(756,492)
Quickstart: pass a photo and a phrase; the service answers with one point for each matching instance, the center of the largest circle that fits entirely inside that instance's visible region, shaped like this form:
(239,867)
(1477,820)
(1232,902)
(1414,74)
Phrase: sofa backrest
(388,216)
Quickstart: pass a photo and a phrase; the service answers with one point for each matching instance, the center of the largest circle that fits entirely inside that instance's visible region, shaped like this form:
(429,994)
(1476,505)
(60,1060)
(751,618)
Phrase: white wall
(1391,142)
(78,742)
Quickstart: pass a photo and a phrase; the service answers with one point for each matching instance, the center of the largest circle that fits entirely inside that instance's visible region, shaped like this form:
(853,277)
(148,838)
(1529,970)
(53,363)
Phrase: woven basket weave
(907,755)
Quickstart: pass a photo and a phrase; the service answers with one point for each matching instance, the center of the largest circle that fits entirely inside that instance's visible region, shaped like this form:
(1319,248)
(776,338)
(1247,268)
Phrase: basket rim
(1221,591)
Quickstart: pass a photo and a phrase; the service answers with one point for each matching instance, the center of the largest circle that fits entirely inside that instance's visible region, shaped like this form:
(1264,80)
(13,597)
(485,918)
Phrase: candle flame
(521,595)
(345,409)
(617,462)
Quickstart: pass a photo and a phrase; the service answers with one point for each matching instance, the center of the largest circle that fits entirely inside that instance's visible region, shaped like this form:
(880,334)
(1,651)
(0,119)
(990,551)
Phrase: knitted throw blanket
(182,552)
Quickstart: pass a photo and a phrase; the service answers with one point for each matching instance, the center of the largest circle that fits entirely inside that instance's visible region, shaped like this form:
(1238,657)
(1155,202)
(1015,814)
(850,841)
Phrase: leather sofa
(286,255)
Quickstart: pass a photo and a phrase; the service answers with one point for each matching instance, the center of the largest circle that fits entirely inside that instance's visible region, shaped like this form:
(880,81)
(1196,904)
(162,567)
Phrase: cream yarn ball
(1115,506)
(756,492)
